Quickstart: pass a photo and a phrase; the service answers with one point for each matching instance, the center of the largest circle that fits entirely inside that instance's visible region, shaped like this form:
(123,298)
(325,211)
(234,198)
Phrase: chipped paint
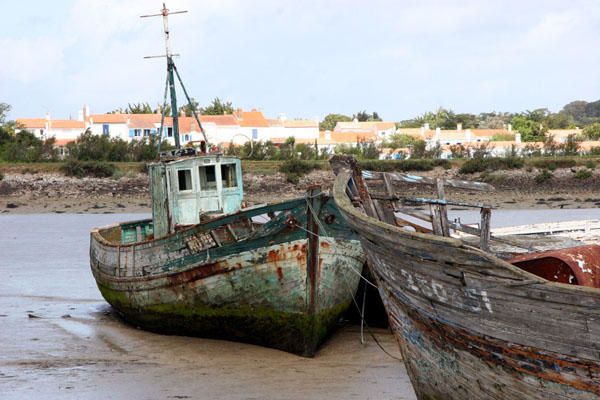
(249,283)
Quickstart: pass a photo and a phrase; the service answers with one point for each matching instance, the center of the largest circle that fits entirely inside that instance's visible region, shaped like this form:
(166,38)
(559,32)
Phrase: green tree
(571,146)
(592,110)
(493,120)
(530,129)
(23,147)
(159,109)
(363,116)
(190,107)
(592,131)
(139,108)
(397,140)
(218,107)
(330,120)
(4,109)
(559,121)
(575,110)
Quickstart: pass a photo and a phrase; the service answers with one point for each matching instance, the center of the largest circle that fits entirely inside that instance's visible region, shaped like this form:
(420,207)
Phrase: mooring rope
(361,312)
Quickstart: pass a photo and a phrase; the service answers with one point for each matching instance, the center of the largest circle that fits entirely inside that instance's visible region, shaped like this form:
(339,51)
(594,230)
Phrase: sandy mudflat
(60,340)
(93,355)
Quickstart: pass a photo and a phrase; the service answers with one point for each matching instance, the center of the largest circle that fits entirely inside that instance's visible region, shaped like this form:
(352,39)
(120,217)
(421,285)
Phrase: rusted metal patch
(575,265)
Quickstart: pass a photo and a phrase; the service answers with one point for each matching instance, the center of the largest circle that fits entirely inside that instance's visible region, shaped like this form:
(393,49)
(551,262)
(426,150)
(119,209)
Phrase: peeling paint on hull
(472,326)
(258,292)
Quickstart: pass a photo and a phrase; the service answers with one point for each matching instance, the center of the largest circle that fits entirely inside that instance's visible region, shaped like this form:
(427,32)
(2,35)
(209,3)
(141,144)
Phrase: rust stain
(325,245)
(279,274)
(201,272)
(273,256)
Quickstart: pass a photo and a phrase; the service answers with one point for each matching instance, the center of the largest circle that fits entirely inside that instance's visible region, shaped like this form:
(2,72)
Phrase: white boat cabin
(185,189)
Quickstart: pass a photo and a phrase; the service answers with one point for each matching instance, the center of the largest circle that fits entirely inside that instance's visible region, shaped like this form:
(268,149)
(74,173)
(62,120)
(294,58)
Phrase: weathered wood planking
(229,279)
(472,326)
(408,178)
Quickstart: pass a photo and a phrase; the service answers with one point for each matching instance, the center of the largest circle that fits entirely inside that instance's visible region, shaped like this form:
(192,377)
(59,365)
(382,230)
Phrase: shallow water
(59,339)
(503,218)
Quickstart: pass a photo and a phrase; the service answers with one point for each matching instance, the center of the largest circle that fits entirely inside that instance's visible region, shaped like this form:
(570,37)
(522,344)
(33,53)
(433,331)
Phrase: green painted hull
(258,290)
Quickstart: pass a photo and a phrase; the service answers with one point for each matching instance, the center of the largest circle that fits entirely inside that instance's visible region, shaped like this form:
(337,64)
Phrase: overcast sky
(303,58)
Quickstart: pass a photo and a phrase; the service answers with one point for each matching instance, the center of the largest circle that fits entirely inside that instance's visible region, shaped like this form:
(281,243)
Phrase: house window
(41,133)
(208,178)
(105,129)
(184,178)
(169,131)
(137,132)
(146,132)
(254,133)
(228,175)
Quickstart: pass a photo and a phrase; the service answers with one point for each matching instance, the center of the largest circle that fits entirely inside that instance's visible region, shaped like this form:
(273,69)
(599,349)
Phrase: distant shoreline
(51,192)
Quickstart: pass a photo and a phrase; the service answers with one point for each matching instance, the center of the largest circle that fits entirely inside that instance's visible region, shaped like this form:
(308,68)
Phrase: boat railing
(387,205)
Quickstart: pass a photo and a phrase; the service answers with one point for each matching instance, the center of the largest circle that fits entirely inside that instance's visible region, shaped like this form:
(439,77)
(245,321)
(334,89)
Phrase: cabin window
(228,175)
(184,178)
(208,177)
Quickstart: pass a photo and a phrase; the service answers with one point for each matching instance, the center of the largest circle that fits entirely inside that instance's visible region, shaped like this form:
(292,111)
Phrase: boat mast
(170,68)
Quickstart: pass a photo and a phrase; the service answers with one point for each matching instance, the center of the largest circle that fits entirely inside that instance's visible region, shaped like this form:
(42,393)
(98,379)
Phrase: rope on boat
(363,322)
(362,318)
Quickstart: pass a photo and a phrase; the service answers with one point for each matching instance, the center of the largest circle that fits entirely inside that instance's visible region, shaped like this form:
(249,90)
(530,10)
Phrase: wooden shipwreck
(479,314)
(279,275)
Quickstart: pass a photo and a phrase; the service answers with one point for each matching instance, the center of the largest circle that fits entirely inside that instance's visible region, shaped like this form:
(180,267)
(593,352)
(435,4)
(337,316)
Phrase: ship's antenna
(171,79)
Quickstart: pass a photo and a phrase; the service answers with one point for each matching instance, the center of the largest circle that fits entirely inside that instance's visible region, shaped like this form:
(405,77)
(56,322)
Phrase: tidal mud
(60,339)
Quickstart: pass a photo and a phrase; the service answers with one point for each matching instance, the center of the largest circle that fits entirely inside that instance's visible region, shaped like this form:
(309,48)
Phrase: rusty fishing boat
(478,314)
(279,275)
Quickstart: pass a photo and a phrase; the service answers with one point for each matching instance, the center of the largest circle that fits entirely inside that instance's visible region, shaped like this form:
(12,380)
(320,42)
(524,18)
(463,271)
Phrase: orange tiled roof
(109,118)
(223,120)
(63,142)
(67,124)
(346,137)
(415,132)
(32,122)
(143,121)
(253,119)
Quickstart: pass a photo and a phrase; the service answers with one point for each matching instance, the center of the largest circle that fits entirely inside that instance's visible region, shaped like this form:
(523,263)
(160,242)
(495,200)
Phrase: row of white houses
(243,126)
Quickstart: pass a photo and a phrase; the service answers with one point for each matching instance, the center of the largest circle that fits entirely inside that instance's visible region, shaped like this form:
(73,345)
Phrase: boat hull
(471,326)
(258,294)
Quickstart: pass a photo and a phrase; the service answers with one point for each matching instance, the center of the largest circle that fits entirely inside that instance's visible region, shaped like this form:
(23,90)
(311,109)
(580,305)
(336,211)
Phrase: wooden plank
(484,238)
(444,202)
(414,213)
(443,208)
(436,216)
(408,178)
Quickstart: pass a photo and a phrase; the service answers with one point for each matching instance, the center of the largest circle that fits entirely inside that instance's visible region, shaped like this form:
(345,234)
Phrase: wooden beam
(456,183)
(443,208)
(484,238)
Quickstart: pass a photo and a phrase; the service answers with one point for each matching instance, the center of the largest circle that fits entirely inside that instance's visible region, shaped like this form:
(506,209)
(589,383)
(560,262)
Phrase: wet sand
(59,339)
